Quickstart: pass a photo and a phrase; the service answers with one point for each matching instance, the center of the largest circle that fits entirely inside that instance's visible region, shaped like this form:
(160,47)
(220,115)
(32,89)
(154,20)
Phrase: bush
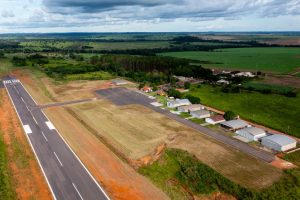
(187,85)
(291,94)
(193,99)
(229,115)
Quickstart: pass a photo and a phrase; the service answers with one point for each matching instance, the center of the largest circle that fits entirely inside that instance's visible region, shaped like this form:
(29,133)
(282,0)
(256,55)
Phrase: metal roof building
(279,142)
(252,133)
(200,114)
(178,102)
(234,124)
(190,108)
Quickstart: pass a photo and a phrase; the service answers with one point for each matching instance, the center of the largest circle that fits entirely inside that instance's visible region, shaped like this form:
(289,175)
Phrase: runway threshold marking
(58,159)
(27,129)
(50,125)
(77,191)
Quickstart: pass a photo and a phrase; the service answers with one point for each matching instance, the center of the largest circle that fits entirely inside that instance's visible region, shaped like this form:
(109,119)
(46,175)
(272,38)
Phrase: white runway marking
(58,159)
(22,99)
(50,125)
(34,120)
(27,129)
(77,191)
(44,136)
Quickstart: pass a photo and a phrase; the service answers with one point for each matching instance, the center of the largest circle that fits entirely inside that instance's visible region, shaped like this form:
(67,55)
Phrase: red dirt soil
(27,179)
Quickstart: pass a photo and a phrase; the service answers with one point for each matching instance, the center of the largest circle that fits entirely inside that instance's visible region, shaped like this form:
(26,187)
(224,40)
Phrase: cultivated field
(277,60)
(275,111)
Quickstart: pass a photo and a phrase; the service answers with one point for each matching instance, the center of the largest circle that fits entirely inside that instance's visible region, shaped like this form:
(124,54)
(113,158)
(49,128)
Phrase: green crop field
(277,60)
(275,111)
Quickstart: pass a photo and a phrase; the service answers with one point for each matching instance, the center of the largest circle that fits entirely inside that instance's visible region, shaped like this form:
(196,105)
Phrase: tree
(187,85)
(174,93)
(229,115)
(193,99)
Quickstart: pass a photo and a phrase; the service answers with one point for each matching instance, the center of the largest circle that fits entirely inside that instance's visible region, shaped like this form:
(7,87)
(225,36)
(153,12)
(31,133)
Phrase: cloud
(7,14)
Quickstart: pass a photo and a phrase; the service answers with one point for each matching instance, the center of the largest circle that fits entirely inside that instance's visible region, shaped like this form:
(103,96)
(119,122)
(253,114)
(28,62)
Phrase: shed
(178,102)
(279,142)
(190,108)
(200,114)
(216,119)
(252,133)
(234,124)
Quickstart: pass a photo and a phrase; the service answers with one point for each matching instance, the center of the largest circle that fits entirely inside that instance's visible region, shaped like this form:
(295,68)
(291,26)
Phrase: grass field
(275,111)
(134,130)
(139,131)
(265,86)
(277,60)
(181,176)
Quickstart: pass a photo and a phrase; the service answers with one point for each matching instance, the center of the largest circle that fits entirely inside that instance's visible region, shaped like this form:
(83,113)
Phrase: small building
(190,108)
(200,114)
(279,142)
(216,119)
(147,89)
(119,82)
(161,93)
(252,133)
(178,102)
(245,74)
(223,82)
(234,125)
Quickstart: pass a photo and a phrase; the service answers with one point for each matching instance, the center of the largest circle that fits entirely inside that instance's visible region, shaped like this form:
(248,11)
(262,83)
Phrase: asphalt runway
(65,174)
(123,96)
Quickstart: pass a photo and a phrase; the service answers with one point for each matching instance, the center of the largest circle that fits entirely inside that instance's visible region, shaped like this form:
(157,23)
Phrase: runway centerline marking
(44,136)
(35,120)
(77,191)
(22,99)
(58,159)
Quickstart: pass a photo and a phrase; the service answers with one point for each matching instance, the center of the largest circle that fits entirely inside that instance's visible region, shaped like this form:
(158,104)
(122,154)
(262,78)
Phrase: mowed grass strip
(275,111)
(271,59)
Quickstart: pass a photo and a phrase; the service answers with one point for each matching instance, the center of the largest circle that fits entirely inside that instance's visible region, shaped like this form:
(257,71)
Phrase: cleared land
(136,131)
(23,172)
(275,111)
(277,60)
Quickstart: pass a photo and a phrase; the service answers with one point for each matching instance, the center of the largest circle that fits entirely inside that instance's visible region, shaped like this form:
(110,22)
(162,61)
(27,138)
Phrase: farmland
(272,110)
(277,60)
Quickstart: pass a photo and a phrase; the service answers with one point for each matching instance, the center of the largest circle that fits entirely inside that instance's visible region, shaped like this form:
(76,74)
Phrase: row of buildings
(250,133)
(277,142)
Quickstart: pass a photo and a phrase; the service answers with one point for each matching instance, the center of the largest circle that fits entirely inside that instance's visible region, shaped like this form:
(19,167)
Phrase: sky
(23,16)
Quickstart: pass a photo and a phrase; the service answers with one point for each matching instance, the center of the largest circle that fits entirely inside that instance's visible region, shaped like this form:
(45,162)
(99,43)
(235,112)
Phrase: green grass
(263,86)
(100,75)
(293,157)
(277,60)
(179,173)
(6,188)
(275,111)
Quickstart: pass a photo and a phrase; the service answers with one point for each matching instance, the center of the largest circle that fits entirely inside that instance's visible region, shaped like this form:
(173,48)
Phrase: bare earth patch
(27,178)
